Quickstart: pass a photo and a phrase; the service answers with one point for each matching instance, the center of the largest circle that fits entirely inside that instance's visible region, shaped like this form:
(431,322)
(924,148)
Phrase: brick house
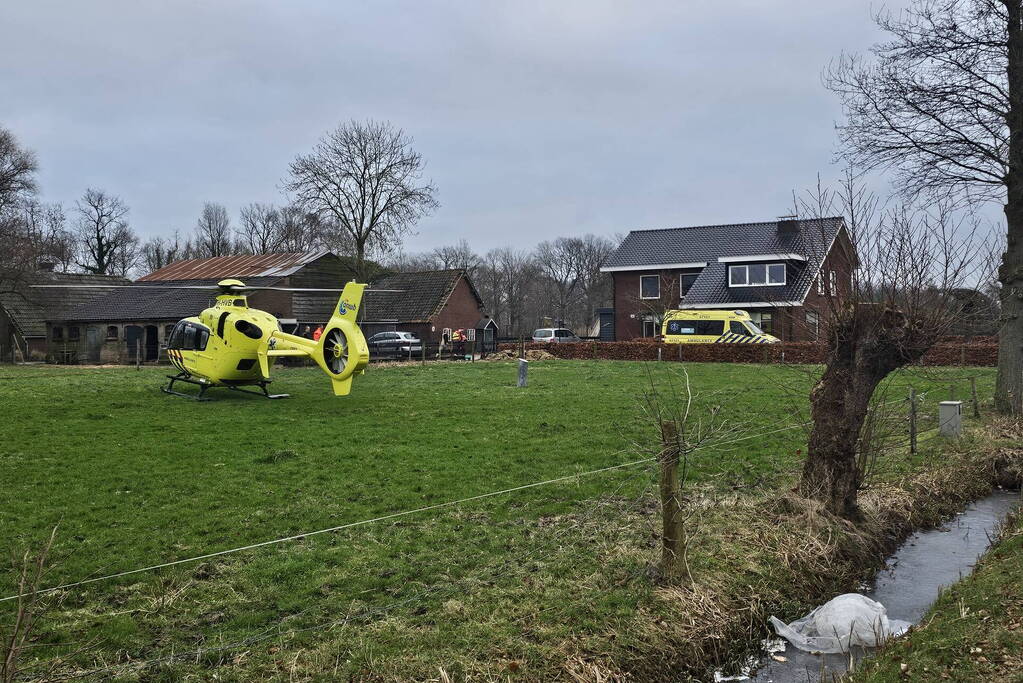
(782,272)
(426,304)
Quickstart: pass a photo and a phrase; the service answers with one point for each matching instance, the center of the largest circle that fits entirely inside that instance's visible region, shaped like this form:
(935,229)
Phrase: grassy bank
(546,582)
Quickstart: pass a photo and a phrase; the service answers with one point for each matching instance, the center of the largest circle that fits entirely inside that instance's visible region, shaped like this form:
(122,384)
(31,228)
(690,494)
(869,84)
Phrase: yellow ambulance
(712,327)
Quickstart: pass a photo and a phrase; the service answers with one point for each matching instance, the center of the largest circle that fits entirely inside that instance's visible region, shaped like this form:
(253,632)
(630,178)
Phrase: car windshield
(752,326)
(543,333)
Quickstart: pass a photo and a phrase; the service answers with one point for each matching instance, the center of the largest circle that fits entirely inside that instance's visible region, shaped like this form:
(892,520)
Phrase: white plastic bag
(850,619)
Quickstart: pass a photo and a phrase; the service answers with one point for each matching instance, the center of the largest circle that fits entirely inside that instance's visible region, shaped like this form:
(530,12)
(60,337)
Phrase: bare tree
(213,231)
(558,261)
(261,231)
(520,273)
(942,103)
(911,262)
(457,256)
(17,171)
(158,252)
(299,229)
(103,233)
(365,179)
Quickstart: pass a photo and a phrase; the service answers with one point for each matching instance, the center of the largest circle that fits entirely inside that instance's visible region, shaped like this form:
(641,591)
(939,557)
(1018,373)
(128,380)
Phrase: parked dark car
(394,344)
(558,335)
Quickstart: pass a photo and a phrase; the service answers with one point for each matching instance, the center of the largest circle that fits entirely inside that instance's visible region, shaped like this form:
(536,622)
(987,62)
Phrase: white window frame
(833,281)
(815,325)
(767,276)
(649,320)
(658,279)
(820,282)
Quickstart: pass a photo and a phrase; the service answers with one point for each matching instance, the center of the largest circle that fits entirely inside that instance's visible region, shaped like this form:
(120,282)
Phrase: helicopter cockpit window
(248,329)
(188,336)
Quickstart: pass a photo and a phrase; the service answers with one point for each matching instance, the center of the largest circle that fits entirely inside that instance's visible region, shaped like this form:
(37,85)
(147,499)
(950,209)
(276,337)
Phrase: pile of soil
(531,354)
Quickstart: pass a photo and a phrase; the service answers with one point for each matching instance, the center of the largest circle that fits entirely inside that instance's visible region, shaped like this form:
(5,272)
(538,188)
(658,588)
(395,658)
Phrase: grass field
(134,478)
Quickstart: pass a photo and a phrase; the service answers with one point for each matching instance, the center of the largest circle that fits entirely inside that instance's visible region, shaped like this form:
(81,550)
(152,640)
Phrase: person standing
(317,333)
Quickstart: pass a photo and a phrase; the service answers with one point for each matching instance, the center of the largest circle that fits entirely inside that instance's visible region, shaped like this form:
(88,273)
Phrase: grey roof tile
(707,243)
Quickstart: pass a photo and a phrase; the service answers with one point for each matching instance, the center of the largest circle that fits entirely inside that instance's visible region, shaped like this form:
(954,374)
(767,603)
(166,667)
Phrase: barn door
(93,344)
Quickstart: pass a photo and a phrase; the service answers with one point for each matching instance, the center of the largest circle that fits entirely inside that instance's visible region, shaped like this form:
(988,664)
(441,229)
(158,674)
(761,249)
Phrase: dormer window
(757,275)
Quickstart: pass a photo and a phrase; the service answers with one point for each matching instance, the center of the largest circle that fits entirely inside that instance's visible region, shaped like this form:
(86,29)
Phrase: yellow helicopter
(233,346)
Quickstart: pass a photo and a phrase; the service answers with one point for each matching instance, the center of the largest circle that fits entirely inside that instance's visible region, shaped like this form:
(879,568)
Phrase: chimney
(788,225)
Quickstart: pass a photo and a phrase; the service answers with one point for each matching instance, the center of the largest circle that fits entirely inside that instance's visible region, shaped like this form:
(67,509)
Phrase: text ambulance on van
(712,327)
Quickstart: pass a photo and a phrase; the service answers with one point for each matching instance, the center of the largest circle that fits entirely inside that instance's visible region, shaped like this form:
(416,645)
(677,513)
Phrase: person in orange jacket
(317,333)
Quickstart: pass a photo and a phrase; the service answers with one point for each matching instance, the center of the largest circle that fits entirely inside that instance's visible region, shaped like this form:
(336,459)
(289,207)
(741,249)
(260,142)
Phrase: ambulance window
(710,327)
(753,327)
(681,327)
(736,327)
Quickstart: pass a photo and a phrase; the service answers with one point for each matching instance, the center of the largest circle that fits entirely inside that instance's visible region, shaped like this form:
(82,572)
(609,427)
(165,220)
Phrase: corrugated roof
(707,243)
(422,296)
(29,308)
(239,266)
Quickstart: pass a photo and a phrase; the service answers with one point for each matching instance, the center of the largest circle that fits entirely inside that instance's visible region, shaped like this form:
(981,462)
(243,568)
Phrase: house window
(58,333)
(820,283)
(813,324)
(73,333)
(112,332)
(833,281)
(649,327)
(685,283)
(650,287)
(757,275)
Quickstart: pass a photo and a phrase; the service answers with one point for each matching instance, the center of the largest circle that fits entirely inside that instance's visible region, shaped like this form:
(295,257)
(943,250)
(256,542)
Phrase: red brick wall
(462,311)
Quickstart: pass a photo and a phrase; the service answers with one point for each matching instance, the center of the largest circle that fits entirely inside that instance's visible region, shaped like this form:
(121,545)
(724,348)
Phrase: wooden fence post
(671,506)
(422,349)
(973,397)
(912,420)
(138,354)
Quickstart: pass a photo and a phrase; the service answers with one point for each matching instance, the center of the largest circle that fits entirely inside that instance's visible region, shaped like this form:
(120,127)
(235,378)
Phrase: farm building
(425,304)
(138,319)
(25,310)
(780,271)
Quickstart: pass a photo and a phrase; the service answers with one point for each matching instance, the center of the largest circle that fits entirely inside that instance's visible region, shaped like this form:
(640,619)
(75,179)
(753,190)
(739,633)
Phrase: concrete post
(523,369)
(950,418)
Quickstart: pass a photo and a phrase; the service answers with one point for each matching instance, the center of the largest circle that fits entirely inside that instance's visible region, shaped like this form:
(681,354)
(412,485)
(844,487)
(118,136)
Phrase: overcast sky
(536,118)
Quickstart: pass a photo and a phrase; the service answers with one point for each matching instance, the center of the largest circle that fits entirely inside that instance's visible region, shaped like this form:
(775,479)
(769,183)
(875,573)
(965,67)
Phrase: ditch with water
(908,585)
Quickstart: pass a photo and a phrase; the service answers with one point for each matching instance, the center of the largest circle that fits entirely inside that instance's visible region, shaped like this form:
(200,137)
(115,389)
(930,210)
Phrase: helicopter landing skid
(262,385)
(182,377)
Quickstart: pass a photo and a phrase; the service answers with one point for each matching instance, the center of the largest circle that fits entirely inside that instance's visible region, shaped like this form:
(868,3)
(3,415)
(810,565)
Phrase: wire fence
(553,540)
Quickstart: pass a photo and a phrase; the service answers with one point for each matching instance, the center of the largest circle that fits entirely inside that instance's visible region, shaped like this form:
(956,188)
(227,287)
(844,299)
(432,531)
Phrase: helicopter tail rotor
(342,350)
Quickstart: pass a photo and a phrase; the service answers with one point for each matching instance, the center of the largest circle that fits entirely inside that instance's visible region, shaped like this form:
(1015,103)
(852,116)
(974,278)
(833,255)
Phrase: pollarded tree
(942,103)
(903,296)
(365,180)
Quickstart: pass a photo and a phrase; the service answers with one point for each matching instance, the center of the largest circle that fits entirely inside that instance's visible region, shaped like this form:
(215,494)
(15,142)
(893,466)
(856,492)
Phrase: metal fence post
(912,420)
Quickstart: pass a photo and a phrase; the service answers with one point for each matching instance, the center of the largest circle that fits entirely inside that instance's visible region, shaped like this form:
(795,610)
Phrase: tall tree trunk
(1009,385)
(865,344)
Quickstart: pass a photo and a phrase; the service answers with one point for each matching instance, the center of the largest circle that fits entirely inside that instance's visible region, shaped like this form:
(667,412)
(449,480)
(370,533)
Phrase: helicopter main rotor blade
(205,288)
(310,289)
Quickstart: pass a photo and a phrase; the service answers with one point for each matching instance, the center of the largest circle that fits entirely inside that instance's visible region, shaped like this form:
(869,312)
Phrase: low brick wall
(985,354)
